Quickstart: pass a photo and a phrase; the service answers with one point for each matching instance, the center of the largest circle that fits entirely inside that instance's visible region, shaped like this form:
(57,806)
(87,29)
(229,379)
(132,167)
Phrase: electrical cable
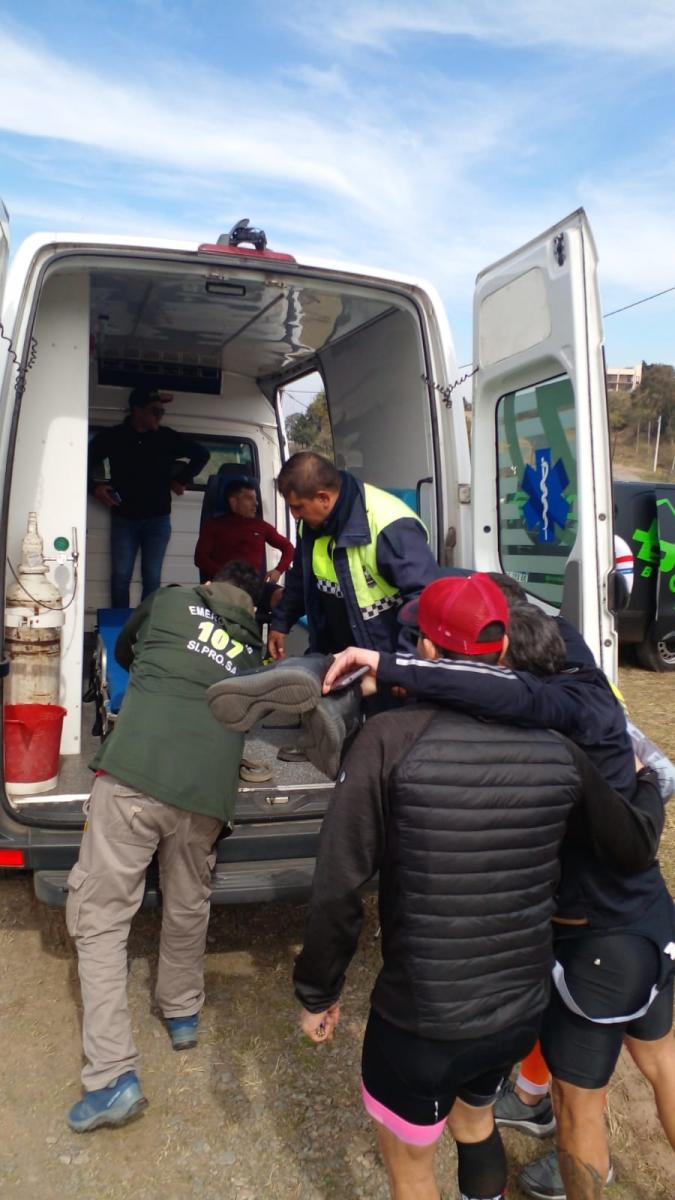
(635,303)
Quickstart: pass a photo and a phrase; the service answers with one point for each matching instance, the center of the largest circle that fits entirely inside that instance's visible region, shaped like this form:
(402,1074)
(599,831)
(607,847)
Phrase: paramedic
(361,552)
(428,796)
(146,466)
(166,783)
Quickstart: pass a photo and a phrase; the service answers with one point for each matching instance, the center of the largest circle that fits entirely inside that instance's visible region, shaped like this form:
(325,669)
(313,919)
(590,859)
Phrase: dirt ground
(255,1112)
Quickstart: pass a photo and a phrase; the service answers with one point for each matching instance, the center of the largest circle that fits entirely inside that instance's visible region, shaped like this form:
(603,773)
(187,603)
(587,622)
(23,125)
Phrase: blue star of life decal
(546,506)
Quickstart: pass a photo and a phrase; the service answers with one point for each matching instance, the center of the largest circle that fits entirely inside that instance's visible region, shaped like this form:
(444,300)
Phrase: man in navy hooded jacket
(361,553)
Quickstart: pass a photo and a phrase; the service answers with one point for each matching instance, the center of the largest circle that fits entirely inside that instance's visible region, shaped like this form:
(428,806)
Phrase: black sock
(481,1168)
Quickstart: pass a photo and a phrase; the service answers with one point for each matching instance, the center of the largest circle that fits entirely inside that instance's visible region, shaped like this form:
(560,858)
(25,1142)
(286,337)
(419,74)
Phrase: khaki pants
(106,885)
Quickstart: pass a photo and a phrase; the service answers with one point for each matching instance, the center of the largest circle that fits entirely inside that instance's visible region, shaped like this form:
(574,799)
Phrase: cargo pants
(105,889)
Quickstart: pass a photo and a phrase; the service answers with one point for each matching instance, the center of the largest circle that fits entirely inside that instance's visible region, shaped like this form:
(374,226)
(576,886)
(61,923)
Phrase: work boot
(291,685)
(329,729)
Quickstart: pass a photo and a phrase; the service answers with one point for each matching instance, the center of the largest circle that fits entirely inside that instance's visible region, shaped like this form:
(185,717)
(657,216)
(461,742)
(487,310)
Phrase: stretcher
(109,679)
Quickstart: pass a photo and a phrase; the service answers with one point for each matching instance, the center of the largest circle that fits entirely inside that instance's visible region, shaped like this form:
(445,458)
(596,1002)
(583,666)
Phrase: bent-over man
(166,783)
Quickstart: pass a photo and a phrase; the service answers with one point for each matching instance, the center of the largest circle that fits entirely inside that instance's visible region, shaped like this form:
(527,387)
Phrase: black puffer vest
(477,813)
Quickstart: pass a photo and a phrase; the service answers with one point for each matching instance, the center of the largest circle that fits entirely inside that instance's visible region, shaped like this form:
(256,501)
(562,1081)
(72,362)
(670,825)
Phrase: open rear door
(4,259)
(542,494)
(4,248)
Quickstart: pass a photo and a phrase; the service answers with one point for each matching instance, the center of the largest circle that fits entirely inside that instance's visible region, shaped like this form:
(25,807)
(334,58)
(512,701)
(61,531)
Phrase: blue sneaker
(183,1031)
(111,1105)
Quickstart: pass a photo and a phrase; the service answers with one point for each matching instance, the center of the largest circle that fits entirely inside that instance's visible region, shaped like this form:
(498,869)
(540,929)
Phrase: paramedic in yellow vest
(360,554)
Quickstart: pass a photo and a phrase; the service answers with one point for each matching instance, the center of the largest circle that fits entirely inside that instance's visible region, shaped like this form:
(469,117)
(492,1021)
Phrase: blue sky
(430,139)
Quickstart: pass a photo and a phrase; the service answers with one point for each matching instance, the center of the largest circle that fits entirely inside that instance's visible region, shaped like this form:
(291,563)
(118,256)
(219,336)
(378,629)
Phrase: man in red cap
(451,811)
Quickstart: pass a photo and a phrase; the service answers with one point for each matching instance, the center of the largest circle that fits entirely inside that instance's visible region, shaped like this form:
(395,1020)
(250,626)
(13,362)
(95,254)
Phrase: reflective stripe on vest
(374,595)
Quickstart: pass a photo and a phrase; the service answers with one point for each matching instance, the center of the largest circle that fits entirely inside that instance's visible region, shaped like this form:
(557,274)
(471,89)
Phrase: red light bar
(12,858)
(246,252)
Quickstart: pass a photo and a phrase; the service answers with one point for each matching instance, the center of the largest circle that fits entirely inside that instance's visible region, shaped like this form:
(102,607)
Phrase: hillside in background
(634,422)
(310,430)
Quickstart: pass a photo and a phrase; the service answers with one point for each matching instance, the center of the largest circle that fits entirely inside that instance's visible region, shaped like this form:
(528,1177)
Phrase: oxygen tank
(33,620)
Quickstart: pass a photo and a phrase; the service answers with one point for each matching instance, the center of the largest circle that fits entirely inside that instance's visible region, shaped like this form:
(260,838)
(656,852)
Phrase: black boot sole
(239,703)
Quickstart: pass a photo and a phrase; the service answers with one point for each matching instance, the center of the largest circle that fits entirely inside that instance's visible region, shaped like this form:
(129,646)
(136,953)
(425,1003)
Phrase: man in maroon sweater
(241,536)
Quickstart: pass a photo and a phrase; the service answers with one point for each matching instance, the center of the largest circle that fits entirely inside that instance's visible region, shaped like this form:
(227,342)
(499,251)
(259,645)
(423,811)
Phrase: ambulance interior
(228,342)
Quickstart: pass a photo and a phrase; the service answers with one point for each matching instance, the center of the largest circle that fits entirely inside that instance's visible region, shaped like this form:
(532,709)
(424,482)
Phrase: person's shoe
(511,1112)
(292,754)
(330,728)
(112,1105)
(253,772)
(291,685)
(542,1179)
(183,1031)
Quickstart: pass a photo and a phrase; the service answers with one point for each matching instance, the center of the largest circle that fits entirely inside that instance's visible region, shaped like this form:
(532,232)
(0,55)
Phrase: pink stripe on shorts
(405,1131)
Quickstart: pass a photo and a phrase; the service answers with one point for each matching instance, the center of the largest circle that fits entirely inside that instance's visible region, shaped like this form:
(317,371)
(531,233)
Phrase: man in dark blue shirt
(147,463)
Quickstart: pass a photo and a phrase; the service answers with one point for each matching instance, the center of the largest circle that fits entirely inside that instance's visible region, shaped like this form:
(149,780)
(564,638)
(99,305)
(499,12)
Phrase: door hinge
(464,493)
(559,248)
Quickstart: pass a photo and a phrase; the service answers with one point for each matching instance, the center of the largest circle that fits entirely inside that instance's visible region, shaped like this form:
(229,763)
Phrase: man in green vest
(360,554)
(166,783)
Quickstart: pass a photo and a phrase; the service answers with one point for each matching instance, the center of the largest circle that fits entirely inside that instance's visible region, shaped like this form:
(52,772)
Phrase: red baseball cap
(453,611)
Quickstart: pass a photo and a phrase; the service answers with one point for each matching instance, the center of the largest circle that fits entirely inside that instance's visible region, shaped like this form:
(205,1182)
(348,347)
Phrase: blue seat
(214,503)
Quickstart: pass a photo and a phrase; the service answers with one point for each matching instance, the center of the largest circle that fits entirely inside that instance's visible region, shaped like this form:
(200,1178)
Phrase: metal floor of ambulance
(63,805)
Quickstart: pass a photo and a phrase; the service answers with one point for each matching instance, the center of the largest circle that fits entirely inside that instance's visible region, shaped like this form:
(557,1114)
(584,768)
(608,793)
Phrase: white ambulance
(229,327)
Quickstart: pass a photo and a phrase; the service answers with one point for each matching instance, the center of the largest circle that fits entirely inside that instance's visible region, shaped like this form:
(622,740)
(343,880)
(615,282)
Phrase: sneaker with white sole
(536,1120)
(542,1179)
(112,1105)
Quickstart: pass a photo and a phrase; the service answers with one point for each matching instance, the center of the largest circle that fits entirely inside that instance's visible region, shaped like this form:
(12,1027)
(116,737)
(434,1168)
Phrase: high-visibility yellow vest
(374,595)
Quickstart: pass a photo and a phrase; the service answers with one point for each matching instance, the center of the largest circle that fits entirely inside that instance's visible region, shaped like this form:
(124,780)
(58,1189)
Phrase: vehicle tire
(656,654)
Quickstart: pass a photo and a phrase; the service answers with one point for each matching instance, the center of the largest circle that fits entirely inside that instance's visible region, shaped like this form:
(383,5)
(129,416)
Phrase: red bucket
(32,741)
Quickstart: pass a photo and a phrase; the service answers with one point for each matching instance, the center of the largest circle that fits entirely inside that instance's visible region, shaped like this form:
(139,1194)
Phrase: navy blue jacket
(404,559)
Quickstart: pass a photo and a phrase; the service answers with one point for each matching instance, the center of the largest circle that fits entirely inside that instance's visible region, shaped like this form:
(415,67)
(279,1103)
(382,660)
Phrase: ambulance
(229,327)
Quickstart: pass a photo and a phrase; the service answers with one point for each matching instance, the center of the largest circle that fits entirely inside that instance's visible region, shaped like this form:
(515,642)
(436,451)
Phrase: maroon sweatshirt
(239,539)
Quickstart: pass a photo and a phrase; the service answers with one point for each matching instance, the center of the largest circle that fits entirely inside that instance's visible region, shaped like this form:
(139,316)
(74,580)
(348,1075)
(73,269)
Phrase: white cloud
(620,26)
(407,168)
(44,96)
(389,168)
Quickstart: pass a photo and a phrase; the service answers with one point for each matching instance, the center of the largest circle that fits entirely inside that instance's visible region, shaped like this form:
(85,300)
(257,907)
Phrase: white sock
(532,1089)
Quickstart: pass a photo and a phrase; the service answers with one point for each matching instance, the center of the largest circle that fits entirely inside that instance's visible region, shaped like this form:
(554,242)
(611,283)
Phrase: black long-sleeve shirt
(577,702)
(144,465)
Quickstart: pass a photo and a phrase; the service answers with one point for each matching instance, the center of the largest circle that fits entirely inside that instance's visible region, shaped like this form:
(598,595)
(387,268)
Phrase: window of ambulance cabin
(239,453)
(537,485)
